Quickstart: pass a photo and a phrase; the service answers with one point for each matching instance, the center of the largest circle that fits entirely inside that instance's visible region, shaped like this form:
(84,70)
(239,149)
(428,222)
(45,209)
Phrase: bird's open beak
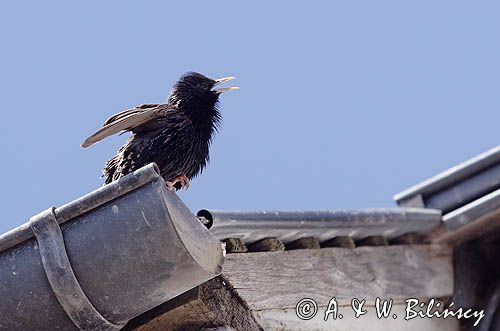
(223,89)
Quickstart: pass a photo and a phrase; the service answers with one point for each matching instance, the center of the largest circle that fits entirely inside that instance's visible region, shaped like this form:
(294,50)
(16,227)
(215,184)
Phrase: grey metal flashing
(474,220)
(86,203)
(132,245)
(473,211)
(61,276)
(289,226)
(456,186)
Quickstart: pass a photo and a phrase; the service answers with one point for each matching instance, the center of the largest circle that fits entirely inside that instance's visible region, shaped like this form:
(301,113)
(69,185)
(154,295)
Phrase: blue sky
(342,103)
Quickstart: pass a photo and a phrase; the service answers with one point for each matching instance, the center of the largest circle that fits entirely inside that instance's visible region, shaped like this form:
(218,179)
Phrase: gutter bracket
(61,276)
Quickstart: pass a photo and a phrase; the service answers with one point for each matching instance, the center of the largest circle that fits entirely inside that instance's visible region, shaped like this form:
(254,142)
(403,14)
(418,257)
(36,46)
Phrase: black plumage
(175,135)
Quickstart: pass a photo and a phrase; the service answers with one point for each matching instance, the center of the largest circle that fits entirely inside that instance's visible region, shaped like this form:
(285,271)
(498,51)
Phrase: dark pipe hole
(206,218)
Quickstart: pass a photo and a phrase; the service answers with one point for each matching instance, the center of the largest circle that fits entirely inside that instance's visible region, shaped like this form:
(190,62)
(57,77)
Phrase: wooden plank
(211,305)
(279,319)
(186,308)
(281,279)
(228,308)
(259,291)
(189,316)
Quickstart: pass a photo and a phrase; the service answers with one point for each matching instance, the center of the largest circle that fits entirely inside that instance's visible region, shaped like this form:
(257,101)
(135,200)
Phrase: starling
(175,135)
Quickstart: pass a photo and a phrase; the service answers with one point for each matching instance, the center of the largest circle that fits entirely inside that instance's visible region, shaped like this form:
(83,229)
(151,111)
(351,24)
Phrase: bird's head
(195,92)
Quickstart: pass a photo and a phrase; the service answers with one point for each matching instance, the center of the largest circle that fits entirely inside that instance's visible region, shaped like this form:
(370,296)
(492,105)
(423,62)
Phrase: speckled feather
(177,138)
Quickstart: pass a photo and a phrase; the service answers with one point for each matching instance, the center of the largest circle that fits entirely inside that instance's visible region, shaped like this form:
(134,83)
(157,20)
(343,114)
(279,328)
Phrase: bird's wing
(128,112)
(124,121)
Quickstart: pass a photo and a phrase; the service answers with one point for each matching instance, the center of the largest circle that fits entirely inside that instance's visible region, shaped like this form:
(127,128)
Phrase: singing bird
(175,135)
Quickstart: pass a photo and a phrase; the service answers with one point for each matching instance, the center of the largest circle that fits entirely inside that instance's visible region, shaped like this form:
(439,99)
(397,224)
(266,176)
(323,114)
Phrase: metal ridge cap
(290,225)
(262,214)
(455,173)
(86,203)
(369,217)
(107,193)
